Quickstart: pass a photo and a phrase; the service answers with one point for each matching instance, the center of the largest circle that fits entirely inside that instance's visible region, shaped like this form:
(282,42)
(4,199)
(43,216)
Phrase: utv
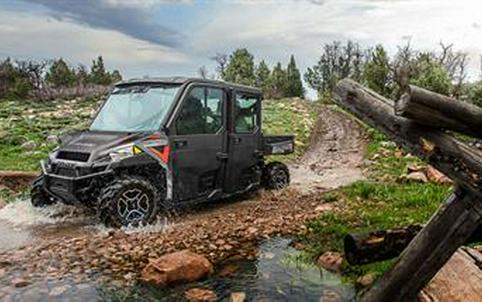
(156,143)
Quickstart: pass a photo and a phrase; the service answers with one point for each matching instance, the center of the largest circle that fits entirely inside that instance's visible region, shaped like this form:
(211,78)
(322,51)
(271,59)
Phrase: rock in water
(237,297)
(178,267)
(200,295)
(331,261)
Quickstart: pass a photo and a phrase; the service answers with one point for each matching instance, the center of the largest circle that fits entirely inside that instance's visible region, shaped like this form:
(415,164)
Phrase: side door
(199,142)
(244,144)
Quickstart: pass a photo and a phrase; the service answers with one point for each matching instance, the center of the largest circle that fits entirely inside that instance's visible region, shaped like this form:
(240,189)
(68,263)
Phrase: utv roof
(186,80)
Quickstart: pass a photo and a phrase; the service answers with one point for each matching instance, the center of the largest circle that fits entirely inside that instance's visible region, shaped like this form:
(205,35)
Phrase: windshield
(132,109)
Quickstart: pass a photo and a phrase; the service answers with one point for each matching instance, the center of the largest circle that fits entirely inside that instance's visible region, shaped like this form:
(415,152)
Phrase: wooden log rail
(458,216)
(436,110)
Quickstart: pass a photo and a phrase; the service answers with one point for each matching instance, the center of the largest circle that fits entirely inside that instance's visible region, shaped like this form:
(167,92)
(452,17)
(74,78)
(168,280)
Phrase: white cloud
(143,3)
(276,29)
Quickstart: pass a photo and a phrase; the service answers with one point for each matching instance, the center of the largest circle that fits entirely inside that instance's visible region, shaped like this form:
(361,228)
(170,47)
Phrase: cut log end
(401,104)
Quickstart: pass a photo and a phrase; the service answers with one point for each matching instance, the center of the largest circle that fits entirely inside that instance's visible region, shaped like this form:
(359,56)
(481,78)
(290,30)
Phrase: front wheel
(276,176)
(38,196)
(128,201)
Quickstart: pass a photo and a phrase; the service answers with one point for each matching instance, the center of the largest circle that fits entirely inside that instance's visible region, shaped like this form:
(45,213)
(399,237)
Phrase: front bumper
(69,189)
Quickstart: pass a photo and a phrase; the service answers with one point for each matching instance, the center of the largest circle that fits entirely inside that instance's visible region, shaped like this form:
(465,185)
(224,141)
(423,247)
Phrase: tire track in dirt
(335,154)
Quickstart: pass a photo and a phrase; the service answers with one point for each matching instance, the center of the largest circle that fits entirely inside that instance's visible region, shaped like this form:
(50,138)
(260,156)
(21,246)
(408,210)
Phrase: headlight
(122,152)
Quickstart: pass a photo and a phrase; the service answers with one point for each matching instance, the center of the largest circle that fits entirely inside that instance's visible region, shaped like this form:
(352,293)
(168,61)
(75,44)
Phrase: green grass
(24,121)
(290,116)
(28,121)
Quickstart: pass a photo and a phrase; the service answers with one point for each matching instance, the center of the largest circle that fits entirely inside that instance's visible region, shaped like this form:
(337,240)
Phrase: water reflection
(278,274)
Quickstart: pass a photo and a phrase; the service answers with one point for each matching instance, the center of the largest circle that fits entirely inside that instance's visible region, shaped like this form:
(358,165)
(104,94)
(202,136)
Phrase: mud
(334,156)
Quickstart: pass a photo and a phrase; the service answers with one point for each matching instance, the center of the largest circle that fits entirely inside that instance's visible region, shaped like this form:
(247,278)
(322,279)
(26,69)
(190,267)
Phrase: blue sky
(168,37)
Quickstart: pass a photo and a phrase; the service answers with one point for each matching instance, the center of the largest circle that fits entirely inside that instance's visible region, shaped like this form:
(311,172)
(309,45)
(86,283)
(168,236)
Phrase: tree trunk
(435,110)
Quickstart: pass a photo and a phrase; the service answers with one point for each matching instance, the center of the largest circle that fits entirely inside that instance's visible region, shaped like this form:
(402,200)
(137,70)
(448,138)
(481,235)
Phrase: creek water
(277,274)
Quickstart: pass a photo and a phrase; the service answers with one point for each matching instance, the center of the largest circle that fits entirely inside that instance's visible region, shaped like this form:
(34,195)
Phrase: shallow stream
(277,274)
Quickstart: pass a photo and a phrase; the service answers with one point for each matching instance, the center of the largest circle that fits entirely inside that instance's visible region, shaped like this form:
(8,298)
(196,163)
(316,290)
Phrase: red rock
(436,176)
(177,267)
(417,177)
(460,279)
(200,295)
(331,261)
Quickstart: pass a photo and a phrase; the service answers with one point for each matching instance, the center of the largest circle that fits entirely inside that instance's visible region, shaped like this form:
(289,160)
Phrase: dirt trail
(216,230)
(334,156)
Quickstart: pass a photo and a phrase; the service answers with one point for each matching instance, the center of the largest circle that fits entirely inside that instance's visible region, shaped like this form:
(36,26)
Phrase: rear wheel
(128,201)
(276,176)
(38,196)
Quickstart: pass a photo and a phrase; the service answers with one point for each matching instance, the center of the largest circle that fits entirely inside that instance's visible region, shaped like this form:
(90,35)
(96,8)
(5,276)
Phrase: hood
(91,145)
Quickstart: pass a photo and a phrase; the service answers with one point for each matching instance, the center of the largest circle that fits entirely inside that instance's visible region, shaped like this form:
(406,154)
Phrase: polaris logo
(64,164)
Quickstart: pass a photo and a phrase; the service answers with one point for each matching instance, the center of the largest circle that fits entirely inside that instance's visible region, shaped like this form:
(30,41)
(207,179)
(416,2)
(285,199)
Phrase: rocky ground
(217,231)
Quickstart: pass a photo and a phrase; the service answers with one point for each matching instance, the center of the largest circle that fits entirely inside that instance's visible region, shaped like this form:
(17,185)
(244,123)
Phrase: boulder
(3,203)
(179,267)
(460,279)
(200,295)
(331,261)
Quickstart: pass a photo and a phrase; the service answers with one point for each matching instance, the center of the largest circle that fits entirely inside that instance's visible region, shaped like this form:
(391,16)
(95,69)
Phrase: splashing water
(22,224)
(22,213)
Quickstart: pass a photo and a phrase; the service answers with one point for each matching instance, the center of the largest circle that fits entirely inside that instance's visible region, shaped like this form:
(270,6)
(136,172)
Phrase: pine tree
(278,82)
(377,73)
(115,76)
(262,75)
(240,68)
(98,74)
(293,77)
(60,74)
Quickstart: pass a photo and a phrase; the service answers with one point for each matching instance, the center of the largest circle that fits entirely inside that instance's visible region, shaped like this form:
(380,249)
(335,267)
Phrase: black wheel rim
(134,206)
(280,179)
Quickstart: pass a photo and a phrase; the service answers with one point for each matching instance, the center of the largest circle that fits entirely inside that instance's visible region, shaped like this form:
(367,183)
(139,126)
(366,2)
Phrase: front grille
(66,172)
(75,156)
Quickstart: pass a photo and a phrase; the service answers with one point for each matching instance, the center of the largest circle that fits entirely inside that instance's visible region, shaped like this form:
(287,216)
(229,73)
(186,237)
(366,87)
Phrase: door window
(245,114)
(202,112)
